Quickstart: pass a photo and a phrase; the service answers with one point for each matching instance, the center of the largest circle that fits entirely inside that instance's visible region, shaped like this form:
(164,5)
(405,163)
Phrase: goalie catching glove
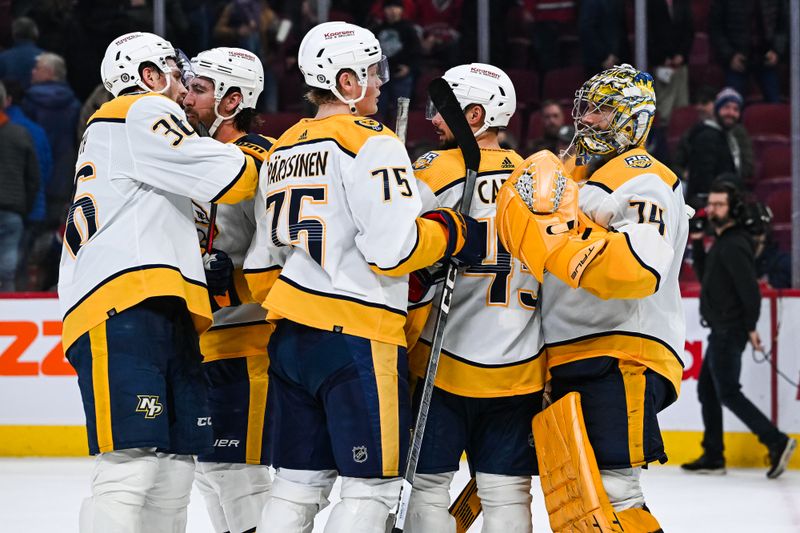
(538,220)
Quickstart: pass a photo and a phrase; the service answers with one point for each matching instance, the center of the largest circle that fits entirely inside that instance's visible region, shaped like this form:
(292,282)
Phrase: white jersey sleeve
(384,199)
(169,155)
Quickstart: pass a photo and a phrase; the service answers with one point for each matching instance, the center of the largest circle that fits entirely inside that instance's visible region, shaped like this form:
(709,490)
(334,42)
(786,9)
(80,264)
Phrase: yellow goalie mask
(613,112)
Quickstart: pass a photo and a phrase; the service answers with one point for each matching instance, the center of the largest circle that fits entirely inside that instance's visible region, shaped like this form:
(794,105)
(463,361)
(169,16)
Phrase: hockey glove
(219,278)
(466,237)
(537,210)
(420,281)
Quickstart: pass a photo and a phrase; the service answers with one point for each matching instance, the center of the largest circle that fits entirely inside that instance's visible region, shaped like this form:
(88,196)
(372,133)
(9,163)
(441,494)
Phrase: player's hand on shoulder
(466,237)
(537,210)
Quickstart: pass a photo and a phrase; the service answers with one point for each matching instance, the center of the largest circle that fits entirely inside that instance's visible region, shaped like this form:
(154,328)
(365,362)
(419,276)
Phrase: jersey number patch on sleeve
(650,213)
(393,174)
(82,216)
(308,230)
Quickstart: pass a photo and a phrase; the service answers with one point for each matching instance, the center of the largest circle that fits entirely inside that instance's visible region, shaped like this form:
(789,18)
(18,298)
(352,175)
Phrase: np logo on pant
(359,454)
(149,405)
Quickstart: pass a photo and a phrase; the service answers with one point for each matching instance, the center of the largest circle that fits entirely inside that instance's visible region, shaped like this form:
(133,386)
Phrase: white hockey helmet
(487,86)
(230,67)
(120,67)
(330,47)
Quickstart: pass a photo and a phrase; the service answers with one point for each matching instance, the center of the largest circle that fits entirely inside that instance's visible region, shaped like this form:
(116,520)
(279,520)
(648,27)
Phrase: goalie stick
(401,123)
(448,107)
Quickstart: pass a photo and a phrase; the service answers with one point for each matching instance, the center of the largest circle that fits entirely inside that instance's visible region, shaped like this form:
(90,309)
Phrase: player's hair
(318,96)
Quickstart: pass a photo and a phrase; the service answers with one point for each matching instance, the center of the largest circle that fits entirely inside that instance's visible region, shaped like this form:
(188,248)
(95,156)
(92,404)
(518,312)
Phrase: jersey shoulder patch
(628,166)
(440,169)
(370,124)
(425,160)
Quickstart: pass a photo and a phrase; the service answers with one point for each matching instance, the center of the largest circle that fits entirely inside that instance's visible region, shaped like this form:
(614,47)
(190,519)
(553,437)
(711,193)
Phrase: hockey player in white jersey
(133,291)
(612,314)
(234,478)
(340,228)
(492,369)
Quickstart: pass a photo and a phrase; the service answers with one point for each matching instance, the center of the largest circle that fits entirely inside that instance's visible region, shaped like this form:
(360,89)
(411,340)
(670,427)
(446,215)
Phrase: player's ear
(347,82)
(475,115)
(230,102)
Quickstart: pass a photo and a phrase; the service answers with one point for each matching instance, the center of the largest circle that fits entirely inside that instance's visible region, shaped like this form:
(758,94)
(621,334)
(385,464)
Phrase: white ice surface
(44,495)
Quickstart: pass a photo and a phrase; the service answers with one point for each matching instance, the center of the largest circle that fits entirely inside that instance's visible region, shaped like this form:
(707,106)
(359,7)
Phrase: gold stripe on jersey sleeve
(634,381)
(240,340)
(458,376)
(259,282)
(243,186)
(332,313)
(257,368)
(126,289)
(429,248)
(384,363)
(98,343)
(649,351)
(625,167)
(116,110)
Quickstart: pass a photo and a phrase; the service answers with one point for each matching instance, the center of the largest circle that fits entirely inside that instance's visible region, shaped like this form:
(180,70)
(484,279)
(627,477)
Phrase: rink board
(42,413)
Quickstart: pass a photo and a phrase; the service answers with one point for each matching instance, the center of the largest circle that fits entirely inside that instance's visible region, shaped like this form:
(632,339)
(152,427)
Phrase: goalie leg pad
(506,503)
(573,488)
(365,506)
(297,496)
(428,507)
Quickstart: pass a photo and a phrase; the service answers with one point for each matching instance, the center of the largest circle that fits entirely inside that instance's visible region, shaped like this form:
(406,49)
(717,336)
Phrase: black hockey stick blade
(447,105)
(467,507)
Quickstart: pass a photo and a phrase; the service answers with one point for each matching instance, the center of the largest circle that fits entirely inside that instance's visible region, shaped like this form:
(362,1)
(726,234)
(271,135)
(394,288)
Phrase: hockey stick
(202,131)
(401,123)
(467,506)
(448,107)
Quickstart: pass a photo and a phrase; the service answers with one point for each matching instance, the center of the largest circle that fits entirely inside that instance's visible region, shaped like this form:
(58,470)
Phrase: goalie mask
(227,68)
(622,104)
(484,85)
(331,47)
(120,67)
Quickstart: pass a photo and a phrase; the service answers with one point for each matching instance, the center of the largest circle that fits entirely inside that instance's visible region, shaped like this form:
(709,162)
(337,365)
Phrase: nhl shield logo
(359,454)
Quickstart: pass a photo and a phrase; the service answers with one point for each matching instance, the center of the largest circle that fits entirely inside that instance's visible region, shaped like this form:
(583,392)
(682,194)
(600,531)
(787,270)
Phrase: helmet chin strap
(220,118)
(350,103)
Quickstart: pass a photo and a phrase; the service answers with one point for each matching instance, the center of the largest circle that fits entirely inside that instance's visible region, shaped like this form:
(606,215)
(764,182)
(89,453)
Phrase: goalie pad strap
(573,490)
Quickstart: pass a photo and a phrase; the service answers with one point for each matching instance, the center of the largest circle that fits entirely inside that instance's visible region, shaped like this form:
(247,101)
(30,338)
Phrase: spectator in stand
(704,106)
(601,25)
(17,62)
(250,24)
(400,43)
(773,265)
(19,181)
(750,37)
(552,124)
(551,18)
(52,104)
(670,32)
(440,20)
(35,222)
(715,149)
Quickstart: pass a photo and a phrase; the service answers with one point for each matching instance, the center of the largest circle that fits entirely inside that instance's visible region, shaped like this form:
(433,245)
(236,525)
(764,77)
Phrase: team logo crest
(638,161)
(149,405)
(370,124)
(425,161)
(360,454)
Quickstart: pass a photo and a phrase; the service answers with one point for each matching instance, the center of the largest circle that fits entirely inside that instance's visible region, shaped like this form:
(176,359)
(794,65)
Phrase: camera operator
(730,302)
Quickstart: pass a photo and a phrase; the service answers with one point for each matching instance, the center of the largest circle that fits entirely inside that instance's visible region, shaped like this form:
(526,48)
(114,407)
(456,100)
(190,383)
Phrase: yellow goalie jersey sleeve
(130,232)
(638,197)
(493,342)
(337,226)
(239,330)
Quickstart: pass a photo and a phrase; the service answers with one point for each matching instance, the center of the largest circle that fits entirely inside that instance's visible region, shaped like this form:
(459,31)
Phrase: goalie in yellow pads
(608,253)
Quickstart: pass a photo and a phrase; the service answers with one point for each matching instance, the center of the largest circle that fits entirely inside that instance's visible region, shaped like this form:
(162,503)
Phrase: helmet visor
(183,62)
(382,71)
